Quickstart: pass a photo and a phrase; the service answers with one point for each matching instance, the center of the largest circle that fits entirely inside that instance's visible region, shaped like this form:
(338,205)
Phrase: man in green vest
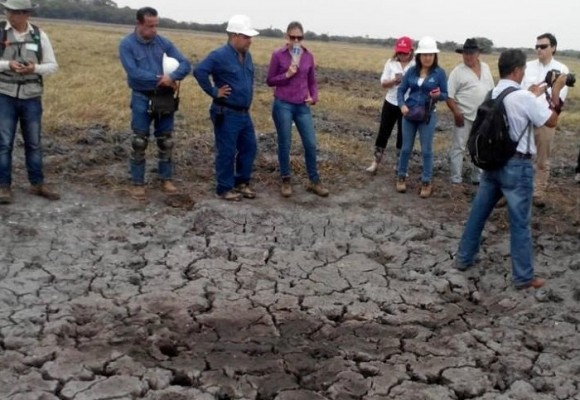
(26,55)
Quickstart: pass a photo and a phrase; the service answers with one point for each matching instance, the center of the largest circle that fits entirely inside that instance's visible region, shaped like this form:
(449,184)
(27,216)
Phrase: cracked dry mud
(102,298)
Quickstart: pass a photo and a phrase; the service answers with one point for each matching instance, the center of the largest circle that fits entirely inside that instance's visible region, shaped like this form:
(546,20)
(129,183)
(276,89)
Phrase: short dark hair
(420,65)
(509,60)
(145,12)
(551,38)
(294,25)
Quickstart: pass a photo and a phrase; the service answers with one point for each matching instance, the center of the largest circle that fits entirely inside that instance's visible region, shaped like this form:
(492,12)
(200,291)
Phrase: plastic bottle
(296,52)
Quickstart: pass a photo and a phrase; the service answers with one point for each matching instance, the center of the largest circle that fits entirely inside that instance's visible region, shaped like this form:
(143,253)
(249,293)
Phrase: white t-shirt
(392,67)
(467,89)
(522,108)
(536,73)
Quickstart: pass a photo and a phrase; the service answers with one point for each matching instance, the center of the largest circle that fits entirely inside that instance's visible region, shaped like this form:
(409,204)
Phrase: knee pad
(139,145)
(165,145)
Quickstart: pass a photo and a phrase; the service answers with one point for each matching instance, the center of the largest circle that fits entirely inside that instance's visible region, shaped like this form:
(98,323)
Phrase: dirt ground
(349,297)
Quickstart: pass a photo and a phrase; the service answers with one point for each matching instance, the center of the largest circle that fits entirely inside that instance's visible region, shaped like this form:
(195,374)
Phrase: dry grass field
(90,91)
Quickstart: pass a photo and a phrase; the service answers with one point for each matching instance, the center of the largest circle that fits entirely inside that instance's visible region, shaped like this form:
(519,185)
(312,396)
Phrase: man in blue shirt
(142,54)
(231,87)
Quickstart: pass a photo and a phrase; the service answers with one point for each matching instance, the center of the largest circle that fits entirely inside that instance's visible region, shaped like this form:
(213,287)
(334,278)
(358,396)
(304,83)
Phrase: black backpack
(489,142)
(35,34)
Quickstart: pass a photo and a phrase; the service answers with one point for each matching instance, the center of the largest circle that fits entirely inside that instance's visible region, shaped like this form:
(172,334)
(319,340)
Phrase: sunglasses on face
(292,37)
(542,46)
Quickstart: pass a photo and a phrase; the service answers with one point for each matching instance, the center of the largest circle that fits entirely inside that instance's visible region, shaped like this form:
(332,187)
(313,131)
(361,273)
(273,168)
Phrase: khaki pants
(543,137)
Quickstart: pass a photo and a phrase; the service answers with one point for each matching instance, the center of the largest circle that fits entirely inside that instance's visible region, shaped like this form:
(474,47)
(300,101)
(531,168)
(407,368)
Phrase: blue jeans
(29,113)
(236,148)
(515,181)
(426,133)
(140,124)
(284,114)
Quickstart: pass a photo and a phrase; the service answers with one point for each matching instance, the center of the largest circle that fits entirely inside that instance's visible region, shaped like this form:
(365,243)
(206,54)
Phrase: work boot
(246,191)
(43,191)
(138,192)
(168,187)
(317,188)
(5,195)
(426,190)
(230,196)
(535,283)
(401,185)
(286,187)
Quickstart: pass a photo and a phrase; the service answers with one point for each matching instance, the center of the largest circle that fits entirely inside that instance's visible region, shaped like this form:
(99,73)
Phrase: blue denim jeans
(140,124)
(284,114)
(29,113)
(426,133)
(235,145)
(515,181)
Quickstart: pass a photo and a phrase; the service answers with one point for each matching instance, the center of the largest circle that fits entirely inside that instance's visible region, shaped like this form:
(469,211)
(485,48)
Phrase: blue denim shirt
(419,95)
(225,68)
(143,61)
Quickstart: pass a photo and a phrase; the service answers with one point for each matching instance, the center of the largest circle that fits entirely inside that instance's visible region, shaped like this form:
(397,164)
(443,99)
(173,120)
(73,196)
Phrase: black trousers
(390,115)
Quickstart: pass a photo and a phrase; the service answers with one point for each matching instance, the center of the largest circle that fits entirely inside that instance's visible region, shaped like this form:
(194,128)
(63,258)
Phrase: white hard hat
(427,45)
(170,64)
(241,24)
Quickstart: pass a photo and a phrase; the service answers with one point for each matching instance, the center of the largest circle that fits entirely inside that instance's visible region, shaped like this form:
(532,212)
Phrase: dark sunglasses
(542,46)
(19,12)
(299,38)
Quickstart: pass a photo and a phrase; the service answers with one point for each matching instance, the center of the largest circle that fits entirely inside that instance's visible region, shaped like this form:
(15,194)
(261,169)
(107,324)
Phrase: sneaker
(138,192)
(43,191)
(286,188)
(401,185)
(168,187)
(245,190)
(230,196)
(426,190)
(318,189)
(373,168)
(5,195)
(577,177)
(535,283)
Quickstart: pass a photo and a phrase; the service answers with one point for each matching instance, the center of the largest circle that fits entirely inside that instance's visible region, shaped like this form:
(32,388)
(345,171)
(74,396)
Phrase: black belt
(232,107)
(522,156)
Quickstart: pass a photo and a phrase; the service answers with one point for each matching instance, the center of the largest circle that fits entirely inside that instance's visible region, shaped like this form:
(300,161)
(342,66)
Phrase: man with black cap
(468,84)
(25,56)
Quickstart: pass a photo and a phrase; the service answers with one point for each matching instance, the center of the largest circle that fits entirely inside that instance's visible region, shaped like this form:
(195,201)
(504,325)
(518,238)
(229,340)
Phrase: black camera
(552,75)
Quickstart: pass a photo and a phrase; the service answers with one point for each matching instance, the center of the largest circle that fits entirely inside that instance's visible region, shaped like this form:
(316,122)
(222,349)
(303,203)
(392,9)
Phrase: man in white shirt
(468,84)
(536,72)
(514,180)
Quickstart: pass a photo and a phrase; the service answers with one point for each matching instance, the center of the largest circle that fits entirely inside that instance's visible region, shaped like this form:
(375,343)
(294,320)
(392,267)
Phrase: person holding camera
(391,77)
(535,79)
(515,179)
(26,56)
(231,88)
(142,55)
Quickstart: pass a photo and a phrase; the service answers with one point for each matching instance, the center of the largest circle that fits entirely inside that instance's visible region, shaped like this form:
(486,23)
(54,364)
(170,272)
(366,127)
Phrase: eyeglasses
(244,36)
(299,38)
(19,12)
(542,46)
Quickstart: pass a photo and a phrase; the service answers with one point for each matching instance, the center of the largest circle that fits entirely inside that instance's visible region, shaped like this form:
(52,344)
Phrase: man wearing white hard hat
(227,76)
(26,55)
(154,68)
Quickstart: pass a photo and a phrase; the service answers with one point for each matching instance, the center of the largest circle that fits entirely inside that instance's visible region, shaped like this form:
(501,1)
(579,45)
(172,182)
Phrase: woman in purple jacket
(292,74)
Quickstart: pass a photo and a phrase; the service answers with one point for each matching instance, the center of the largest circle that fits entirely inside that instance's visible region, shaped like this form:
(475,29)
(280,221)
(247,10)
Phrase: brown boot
(245,190)
(286,188)
(138,192)
(318,189)
(168,187)
(43,191)
(5,195)
(230,196)
(401,185)
(426,190)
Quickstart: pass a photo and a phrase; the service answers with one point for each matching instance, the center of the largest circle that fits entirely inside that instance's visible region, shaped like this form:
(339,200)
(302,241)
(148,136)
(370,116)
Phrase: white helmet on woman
(427,45)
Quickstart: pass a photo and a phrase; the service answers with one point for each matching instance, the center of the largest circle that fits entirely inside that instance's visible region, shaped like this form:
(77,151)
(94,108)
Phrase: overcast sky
(508,23)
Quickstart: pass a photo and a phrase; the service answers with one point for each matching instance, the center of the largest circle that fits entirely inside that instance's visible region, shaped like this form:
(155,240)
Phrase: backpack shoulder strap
(36,38)
(2,37)
(504,93)
(36,35)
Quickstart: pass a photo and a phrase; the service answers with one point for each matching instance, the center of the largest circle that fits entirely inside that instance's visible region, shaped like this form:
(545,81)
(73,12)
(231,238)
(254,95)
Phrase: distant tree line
(108,11)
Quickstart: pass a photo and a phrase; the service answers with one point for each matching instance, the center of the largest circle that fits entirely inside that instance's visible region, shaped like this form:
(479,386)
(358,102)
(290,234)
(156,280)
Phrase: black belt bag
(163,101)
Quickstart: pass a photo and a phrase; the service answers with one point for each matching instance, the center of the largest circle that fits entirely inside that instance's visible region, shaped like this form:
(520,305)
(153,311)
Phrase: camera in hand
(552,75)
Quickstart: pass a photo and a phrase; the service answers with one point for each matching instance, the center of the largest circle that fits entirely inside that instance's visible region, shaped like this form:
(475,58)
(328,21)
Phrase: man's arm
(48,65)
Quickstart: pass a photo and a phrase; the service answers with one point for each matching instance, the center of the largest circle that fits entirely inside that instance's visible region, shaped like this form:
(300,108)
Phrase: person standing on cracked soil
(142,55)
(469,82)
(26,55)
(391,77)
(231,88)
(515,180)
(427,84)
(292,73)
